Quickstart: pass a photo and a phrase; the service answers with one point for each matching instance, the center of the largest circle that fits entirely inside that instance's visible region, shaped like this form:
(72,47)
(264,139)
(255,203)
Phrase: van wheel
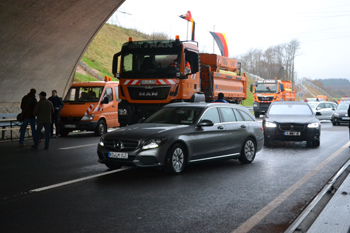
(64,132)
(101,128)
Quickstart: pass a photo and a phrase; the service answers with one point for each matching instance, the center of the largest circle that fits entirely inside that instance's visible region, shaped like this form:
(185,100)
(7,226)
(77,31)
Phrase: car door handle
(220,127)
(243,126)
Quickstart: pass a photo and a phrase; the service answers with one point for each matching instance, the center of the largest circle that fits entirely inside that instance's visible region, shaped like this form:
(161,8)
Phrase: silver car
(325,108)
(183,133)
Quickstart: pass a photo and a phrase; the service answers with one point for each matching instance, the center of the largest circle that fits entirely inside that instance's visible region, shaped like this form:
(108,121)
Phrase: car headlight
(313,125)
(270,125)
(122,112)
(335,114)
(153,143)
(88,117)
(102,139)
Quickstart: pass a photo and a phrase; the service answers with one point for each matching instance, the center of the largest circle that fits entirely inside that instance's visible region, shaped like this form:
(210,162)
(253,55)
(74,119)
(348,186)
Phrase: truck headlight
(122,112)
(255,105)
(153,143)
(270,125)
(88,117)
(313,125)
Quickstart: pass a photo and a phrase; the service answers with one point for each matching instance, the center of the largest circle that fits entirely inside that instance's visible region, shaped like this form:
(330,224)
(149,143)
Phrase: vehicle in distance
(340,115)
(183,133)
(325,109)
(291,121)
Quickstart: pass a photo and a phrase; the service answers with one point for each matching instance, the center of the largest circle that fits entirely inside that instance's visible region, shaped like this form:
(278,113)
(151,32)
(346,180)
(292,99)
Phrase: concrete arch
(41,42)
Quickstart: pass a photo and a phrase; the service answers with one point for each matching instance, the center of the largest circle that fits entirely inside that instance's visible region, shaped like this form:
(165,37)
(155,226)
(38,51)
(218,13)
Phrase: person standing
(220,98)
(28,104)
(44,111)
(58,105)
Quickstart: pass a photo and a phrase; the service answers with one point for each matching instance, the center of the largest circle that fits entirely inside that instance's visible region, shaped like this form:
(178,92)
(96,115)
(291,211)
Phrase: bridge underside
(41,42)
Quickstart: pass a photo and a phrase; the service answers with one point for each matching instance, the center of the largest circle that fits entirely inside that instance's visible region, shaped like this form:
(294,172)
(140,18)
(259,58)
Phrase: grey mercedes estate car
(183,133)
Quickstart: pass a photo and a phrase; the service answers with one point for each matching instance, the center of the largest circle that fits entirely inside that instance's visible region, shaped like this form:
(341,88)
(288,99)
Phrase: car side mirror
(318,108)
(318,114)
(205,122)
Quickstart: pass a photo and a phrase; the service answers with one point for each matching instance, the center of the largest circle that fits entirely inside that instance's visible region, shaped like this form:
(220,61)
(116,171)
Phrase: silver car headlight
(88,117)
(102,139)
(335,114)
(313,125)
(153,143)
(270,125)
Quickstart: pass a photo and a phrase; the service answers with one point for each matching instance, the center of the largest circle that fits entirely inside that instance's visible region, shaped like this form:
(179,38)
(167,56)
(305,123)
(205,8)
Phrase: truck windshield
(150,65)
(265,87)
(84,94)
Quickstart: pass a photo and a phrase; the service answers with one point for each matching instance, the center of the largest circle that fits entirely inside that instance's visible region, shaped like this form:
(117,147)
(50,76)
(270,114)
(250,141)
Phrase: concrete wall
(42,41)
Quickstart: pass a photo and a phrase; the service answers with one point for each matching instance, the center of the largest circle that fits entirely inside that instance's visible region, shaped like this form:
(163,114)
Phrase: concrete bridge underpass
(41,43)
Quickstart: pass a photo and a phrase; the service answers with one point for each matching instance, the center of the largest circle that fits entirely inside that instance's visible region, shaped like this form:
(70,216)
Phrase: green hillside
(99,55)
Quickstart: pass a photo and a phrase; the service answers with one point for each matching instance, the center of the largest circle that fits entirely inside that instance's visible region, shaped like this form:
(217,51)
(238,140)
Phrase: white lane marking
(76,180)
(75,147)
(254,220)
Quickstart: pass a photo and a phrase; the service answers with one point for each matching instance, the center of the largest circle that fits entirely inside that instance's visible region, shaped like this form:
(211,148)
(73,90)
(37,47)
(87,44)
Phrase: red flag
(187,16)
(221,41)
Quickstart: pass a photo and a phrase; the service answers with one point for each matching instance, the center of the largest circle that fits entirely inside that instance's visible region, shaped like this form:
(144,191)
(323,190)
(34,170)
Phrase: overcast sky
(322,28)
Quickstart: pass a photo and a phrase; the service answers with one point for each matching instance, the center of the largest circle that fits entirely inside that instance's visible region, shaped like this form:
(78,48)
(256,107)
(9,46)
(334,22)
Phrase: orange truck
(154,73)
(90,106)
(270,90)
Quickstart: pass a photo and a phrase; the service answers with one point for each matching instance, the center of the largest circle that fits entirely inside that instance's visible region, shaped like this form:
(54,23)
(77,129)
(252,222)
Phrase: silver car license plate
(118,155)
(291,133)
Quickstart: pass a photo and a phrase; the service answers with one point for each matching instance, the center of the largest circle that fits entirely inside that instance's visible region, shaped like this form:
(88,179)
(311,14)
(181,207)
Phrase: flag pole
(187,31)
(213,41)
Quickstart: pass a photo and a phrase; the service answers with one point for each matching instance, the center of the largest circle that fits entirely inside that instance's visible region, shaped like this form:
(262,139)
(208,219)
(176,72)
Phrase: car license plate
(345,118)
(118,155)
(70,126)
(292,133)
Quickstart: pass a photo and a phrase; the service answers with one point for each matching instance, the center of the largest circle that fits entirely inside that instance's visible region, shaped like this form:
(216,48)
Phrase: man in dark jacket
(43,110)
(28,104)
(58,105)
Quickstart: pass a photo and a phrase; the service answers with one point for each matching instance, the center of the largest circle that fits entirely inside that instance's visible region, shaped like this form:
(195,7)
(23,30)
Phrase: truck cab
(90,106)
(270,90)
(155,73)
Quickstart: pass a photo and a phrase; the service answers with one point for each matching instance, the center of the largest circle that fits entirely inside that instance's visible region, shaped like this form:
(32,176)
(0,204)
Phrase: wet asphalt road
(222,196)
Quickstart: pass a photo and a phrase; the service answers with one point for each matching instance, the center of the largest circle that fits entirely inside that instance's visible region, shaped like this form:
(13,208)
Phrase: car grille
(70,119)
(269,98)
(120,145)
(292,127)
(149,92)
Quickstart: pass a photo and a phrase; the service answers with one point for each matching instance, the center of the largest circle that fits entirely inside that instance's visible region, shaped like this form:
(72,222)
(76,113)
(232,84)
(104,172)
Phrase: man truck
(154,73)
(267,91)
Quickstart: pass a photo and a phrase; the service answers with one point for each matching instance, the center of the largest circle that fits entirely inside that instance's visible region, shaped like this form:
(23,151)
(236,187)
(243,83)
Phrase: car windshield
(343,107)
(175,115)
(313,105)
(289,109)
(84,94)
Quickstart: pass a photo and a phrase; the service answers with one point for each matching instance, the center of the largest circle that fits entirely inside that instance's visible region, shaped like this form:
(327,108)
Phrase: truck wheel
(256,114)
(101,128)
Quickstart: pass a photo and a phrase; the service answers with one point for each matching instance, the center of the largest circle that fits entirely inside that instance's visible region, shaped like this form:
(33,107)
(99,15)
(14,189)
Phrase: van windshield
(84,94)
